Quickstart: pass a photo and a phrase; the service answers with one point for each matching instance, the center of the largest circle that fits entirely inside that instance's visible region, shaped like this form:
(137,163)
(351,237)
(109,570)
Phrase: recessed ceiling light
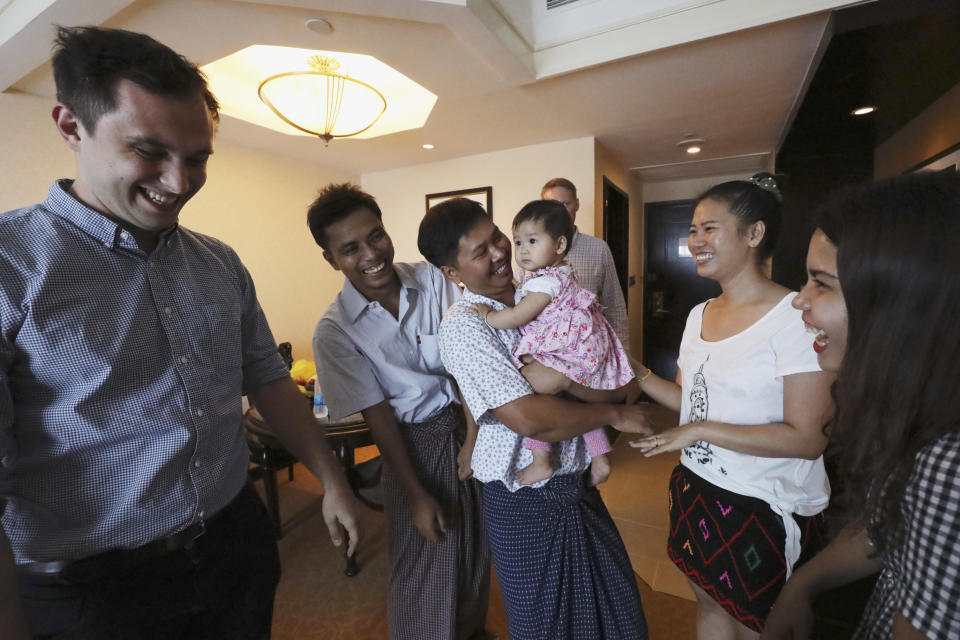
(691,143)
(862,111)
(428,146)
(319,25)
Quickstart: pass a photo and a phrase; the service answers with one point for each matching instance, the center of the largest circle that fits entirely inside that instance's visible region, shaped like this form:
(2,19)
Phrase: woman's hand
(669,440)
(792,614)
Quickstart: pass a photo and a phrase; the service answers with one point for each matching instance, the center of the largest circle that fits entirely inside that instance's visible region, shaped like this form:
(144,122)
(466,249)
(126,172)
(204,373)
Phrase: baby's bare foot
(537,470)
(599,469)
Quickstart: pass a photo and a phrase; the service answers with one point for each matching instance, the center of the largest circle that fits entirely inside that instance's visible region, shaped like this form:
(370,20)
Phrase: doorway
(616,228)
(671,284)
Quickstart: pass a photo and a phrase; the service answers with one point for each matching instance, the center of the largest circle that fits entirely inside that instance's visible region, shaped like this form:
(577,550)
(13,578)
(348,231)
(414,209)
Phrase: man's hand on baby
(542,378)
(633,418)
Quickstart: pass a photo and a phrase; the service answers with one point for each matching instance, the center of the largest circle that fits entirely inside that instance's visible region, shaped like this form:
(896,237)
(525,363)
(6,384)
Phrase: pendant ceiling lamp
(323,102)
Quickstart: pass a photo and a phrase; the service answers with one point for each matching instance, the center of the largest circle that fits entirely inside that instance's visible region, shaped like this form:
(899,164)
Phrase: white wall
(685,189)
(253,201)
(33,155)
(516,176)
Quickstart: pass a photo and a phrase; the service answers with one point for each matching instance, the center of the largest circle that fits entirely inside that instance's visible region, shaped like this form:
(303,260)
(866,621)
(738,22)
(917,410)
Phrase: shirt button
(201,513)
(199,413)
(124,235)
(184,359)
(169,243)
(196,464)
(167,310)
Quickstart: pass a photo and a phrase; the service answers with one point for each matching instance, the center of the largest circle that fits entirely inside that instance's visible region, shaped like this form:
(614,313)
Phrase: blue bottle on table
(319,406)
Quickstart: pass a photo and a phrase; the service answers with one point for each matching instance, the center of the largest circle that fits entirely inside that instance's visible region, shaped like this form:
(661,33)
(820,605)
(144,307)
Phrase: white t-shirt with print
(739,380)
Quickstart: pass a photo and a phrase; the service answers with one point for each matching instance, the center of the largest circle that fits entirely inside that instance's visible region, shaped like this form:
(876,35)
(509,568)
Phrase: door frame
(622,278)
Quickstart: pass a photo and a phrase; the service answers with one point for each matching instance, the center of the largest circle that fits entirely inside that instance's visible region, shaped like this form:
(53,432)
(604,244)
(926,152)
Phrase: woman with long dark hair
(746,497)
(884,295)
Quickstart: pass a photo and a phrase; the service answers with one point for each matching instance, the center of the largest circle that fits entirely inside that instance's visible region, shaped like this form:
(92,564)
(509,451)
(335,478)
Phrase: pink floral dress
(571,335)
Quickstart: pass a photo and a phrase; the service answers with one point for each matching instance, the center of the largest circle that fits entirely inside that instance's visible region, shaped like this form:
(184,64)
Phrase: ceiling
(636,76)
(897,56)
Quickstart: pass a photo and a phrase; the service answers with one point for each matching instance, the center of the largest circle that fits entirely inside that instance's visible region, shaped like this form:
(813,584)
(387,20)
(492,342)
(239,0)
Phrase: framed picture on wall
(483,195)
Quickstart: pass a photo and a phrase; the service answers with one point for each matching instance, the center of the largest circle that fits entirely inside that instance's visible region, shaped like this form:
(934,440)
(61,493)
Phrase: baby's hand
(480,309)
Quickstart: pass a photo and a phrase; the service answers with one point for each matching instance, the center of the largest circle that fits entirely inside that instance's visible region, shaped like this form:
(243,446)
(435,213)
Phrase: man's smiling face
(483,261)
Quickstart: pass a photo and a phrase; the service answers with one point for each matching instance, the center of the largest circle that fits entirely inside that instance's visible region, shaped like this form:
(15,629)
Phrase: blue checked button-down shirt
(121,375)
(478,357)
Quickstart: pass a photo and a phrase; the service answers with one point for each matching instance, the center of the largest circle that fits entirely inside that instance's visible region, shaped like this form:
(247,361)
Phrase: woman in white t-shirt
(745,498)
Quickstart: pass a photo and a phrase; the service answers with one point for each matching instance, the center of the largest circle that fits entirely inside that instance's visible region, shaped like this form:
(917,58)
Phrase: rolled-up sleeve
(346,376)
(261,362)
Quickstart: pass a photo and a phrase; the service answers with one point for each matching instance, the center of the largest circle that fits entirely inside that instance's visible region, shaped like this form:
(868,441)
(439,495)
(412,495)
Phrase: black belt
(103,563)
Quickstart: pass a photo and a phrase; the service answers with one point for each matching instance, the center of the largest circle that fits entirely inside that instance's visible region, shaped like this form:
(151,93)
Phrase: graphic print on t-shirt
(699,409)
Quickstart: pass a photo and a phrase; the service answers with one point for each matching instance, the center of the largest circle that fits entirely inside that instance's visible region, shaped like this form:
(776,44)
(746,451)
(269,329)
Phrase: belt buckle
(186,538)
(193,536)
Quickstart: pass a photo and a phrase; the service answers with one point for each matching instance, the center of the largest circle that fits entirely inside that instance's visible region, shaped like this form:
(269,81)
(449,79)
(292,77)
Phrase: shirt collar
(471,297)
(355,303)
(88,220)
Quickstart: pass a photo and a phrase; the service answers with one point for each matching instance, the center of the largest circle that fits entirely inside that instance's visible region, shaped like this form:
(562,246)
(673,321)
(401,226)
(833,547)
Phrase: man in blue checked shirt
(126,343)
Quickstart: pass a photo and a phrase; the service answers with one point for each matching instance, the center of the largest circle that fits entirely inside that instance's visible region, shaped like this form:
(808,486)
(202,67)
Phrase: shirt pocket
(430,352)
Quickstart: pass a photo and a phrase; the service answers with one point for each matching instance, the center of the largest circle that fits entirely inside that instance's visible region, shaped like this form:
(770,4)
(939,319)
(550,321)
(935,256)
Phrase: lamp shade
(323,102)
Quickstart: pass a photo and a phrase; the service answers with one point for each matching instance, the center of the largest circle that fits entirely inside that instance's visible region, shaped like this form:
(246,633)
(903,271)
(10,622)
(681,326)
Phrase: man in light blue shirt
(376,352)
(126,343)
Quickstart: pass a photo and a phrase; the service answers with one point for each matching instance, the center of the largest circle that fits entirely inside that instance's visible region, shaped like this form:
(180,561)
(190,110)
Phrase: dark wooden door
(671,284)
(616,229)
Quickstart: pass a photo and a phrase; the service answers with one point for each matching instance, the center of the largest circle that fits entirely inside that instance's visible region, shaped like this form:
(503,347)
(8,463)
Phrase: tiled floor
(316,600)
(636,496)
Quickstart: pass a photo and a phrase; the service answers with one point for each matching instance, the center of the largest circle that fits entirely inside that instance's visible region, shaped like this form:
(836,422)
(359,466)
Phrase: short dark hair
(751,202)
(896,388)
(88,62)
(559,182)
(556,221)
(336,202)
(443,226)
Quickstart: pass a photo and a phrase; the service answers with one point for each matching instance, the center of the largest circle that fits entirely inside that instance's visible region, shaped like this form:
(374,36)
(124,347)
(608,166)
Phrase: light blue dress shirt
(364,355)
(121,376)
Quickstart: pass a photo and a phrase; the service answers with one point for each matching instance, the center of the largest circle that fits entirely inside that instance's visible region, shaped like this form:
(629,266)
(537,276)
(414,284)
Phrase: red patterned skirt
(731,545)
